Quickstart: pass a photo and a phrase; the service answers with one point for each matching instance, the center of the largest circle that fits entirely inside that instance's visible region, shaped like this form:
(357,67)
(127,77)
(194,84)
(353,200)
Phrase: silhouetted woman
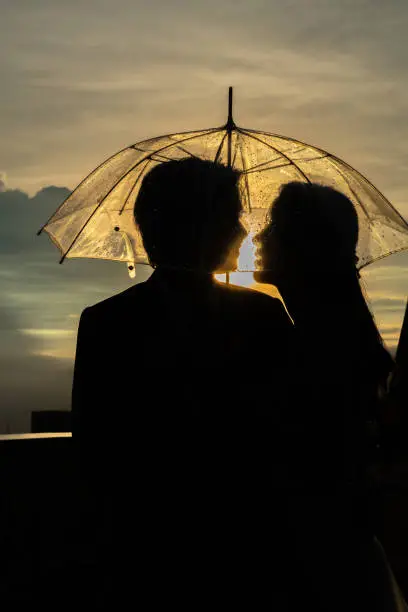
(308,250)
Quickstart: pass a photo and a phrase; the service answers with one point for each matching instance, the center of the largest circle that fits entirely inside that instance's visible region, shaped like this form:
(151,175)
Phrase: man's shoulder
(118,302)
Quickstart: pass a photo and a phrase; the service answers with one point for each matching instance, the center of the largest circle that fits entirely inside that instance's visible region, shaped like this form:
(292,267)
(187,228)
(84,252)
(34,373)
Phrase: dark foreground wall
(50,534)
(45,509)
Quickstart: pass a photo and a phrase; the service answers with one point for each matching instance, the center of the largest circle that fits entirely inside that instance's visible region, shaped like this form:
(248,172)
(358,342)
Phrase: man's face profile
(230,262)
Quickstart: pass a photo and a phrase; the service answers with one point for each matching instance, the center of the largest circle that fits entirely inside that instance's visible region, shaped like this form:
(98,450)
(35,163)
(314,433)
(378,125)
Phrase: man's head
(188,212)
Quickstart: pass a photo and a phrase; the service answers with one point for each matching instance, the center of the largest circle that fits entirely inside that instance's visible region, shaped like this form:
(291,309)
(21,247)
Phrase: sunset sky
(81,80)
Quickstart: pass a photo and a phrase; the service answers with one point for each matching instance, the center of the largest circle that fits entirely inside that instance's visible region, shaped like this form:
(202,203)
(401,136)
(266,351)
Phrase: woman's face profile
(269,256)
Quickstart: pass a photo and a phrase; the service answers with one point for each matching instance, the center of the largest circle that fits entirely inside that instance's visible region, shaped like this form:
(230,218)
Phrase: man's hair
(188,212)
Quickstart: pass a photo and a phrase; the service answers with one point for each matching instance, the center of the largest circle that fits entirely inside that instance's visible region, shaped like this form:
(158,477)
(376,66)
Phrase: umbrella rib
(61,217)
(249,132)
(276,151)
(135,260)
(345,178)
(151,153)
(280,155)
(358,200)
(235,157)
(188,152)
(255,168)
(302,148)
(309,159)
(218,153)
(68,214)
(370,184)
(334,158)
(299,142)
(133,186)
(260,169)
(140,161)
(77,187)
(114,186)
(283,165)
(160,158)
(245,174)
(383,256)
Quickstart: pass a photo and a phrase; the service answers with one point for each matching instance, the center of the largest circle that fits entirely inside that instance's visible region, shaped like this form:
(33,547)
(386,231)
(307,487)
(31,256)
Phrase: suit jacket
(175,347)
(177,383)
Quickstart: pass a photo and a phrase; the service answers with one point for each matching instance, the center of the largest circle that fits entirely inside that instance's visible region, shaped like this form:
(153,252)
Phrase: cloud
(82,80)
(27,382)
(21,217)
(40,307)
(385,285)
(392,304)
(48,333)
(87,82)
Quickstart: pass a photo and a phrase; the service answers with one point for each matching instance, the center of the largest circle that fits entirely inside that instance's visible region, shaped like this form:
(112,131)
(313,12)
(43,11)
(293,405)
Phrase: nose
(258,238)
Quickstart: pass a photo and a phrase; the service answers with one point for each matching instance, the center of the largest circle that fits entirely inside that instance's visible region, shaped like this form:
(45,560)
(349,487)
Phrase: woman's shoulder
(119,301)
(251,297)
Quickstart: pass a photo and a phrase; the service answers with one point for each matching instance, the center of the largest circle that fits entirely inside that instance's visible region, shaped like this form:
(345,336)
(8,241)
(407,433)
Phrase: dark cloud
(21,217)
(40,308)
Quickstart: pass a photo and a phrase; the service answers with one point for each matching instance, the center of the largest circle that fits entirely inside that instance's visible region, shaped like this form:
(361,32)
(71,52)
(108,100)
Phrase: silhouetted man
(168,373)
(179,344)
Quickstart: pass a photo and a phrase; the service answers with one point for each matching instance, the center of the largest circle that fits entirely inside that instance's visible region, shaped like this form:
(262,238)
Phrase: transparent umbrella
(96,220)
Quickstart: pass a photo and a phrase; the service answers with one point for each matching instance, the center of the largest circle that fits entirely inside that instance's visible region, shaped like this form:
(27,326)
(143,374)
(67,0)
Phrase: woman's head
(312,228)
(309,251)
(188,212)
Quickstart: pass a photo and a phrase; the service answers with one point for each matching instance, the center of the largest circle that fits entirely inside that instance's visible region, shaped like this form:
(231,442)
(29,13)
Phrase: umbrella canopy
(96,220)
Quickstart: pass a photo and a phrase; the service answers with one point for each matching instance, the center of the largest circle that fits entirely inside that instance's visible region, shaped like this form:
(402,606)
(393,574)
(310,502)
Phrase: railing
(35,436)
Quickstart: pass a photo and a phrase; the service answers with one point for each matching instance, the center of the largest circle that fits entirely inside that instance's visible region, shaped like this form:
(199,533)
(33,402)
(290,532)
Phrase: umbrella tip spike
(62,259)
(230,122)
(230,125)
(39,231)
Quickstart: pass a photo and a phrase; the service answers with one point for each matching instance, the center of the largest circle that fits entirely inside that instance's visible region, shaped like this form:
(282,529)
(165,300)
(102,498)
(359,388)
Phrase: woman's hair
(188,212)
(319,226)
(316,221)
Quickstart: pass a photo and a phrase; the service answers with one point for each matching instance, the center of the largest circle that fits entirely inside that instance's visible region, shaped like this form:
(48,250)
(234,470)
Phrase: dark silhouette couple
(225,440)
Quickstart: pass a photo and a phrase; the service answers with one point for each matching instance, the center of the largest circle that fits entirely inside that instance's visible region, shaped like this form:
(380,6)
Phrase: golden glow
(246,265)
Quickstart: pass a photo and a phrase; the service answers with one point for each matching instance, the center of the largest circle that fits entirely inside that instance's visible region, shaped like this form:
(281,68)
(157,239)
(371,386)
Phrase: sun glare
(246,265)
